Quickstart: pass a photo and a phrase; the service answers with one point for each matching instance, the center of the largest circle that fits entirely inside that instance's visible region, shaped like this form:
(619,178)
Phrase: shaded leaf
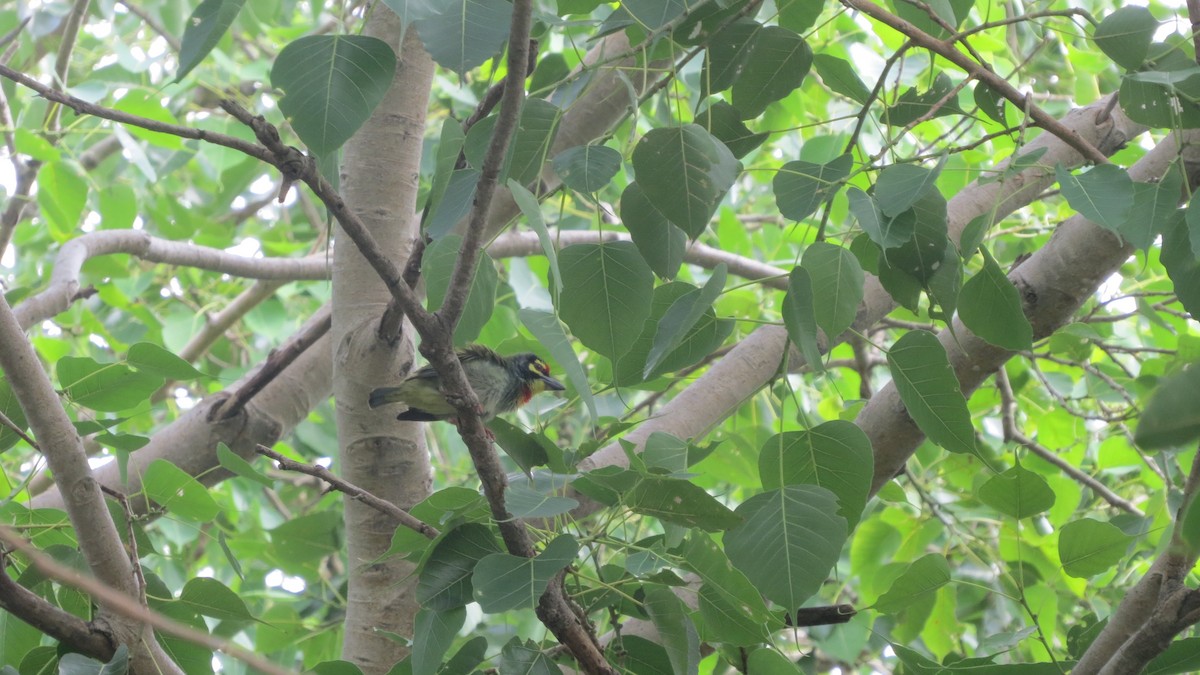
(788,542)
(837,285)
(991,307)
(1017,493)
(930,391)
(802,187)
(835,455)
(685,172)
(503,582)
(1089,547)
(606,294)
(465,33)
(203,31)
(331,85)
(925,575)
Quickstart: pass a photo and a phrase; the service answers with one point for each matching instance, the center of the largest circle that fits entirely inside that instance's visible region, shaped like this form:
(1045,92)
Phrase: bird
(502,383)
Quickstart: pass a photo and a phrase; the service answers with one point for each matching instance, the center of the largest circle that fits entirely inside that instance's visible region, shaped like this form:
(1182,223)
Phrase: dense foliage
(876,353)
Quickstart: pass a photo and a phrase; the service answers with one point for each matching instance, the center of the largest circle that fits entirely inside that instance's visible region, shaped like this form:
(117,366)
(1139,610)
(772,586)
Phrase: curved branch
(64,282)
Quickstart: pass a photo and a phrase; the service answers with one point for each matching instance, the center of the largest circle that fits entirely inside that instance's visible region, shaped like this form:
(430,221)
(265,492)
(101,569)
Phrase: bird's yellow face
(540,370)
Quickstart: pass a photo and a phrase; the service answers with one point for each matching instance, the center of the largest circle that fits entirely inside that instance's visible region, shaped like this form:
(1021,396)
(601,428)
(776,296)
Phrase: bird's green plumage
(502,383)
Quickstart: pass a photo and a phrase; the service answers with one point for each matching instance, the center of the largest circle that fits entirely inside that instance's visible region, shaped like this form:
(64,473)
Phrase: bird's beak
(551,383)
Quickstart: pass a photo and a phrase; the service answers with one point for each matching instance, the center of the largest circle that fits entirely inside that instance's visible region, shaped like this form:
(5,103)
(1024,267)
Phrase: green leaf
(523,501)
(61,196)
(675,629)
(153,359)
(78,664)
(549,332)
(1153,206)
(924,576)
(682,317)
(11,408)
(178,493)
(726,55)
(530,147)
(681,502)
(1018,493)
(660,242)
(702,555)
(445,579)
(914,105)
(1171,417)
(533,216)
(1089,547)
(991,307)
(308,538)
(708,333)
(436,267)
(799,15)
(587,168)
(1190,527)
(725,123)
(766,661)
(727,619)
(685,173)
(1125,35)
(503,582)
(835,455)
(900,186)
(466,32)
(450,143)
(884,231)
(789,541)
(606,294)
(525,659)
(233,462)
(213,598)
(1183,656)
(203,31)
(800,317)
(841,78)
(924,255)
(331,85)
(802,187)
(654,14)
(991,103)
(837,285)
(777,65)
(469,656)
(1104,195)
(433,633)
(455,203)
(930,391)
(1181,263)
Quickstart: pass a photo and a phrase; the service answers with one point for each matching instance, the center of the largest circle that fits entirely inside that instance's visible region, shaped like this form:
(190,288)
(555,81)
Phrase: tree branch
(75,633)
(64,281)
(353,491)
(982,73)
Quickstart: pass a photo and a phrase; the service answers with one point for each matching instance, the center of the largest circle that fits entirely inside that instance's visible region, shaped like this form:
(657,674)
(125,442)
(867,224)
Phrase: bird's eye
(540,366)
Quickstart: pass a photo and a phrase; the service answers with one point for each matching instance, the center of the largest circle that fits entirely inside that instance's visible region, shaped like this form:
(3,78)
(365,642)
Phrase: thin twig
(275,364)
(982,73)
(1008,407)
(341,485)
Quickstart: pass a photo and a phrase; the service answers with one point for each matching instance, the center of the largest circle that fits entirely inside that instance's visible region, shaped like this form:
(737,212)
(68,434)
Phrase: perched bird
(502,383)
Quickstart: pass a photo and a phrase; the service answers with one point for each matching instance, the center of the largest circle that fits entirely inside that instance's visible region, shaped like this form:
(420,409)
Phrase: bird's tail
(384,395)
